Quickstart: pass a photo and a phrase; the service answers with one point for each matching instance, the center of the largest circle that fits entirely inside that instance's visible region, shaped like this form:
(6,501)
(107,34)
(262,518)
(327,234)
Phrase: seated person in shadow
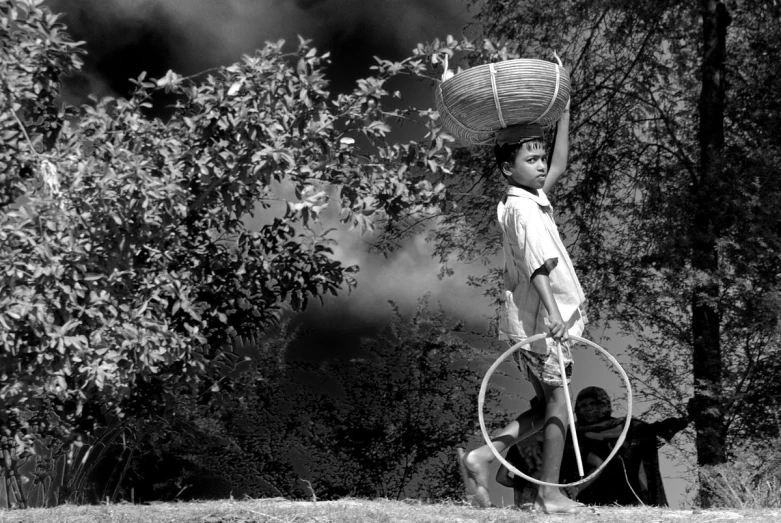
(526,456)
(632,477)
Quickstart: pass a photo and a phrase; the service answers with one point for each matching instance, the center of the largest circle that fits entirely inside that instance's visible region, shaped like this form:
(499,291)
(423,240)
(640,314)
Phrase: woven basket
(478,102)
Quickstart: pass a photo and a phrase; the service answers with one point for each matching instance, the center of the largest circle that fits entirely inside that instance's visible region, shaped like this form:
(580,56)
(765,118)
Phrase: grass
(279,510)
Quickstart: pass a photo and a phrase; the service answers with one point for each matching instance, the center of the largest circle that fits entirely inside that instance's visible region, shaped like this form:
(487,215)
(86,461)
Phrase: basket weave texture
(474,107)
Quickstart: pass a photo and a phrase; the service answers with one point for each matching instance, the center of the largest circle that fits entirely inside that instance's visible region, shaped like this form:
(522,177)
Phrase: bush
(750,479)
(128,255)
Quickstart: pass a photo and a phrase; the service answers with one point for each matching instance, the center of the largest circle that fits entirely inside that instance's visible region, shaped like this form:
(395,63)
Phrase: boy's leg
(475,465)
(551,499)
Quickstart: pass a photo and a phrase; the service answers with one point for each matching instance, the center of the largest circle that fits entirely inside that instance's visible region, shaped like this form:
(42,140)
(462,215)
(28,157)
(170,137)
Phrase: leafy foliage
(35,52)
(133,249)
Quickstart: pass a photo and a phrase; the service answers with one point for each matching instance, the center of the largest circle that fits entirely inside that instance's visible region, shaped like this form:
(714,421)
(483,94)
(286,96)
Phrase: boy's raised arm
(558,163)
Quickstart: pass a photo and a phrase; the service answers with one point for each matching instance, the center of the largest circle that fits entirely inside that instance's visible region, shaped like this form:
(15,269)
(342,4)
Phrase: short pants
(545,367)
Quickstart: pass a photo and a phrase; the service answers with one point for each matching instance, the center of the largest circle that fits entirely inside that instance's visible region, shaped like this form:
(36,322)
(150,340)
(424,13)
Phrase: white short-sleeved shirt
(531,240)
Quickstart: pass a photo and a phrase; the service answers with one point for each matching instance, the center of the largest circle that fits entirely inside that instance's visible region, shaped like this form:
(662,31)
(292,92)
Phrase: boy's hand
(558,328)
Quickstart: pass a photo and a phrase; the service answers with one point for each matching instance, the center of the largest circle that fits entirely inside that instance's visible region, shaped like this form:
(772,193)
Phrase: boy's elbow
(542,271)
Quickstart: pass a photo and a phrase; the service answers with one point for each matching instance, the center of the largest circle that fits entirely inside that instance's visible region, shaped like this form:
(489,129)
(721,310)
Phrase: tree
(670,230)
(706,341)
(129,261)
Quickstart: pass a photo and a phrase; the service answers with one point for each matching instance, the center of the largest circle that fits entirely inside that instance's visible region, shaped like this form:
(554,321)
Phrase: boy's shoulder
(519,196)
(518,201)
(521,203)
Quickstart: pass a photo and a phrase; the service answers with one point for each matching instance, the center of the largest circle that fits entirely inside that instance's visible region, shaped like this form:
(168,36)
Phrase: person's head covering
(602,408)
(518,133)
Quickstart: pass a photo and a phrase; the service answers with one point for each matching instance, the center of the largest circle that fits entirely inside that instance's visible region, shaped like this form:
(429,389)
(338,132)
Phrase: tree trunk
(707,363)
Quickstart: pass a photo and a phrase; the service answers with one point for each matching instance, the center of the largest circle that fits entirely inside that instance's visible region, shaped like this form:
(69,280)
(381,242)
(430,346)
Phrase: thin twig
(24,131)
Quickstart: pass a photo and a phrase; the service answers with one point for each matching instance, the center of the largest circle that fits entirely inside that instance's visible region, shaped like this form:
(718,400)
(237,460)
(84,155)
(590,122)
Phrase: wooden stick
(570,412)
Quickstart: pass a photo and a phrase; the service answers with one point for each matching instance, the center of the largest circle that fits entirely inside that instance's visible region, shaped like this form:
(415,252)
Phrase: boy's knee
(556,401)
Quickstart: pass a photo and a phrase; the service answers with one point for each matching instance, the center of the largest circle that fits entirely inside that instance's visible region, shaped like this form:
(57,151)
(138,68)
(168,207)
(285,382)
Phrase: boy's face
(530,167)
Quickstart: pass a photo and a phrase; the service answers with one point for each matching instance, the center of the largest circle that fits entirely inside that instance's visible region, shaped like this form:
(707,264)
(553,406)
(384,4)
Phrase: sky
(125,37)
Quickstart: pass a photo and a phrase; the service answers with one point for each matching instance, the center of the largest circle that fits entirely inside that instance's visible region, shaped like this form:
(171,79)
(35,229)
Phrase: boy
(541,294)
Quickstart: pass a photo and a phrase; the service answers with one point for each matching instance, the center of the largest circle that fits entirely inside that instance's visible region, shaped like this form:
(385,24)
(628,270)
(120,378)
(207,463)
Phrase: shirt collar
(540,198)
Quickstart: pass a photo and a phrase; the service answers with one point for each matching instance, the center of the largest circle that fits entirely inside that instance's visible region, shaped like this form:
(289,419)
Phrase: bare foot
(475,476)
(560,504)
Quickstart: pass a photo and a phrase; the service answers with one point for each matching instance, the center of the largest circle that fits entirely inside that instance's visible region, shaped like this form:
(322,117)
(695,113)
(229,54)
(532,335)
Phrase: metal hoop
(487,437)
